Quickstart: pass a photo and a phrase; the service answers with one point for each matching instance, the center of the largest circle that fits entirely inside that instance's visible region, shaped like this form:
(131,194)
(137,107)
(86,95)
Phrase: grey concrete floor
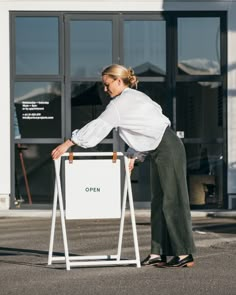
(24,247)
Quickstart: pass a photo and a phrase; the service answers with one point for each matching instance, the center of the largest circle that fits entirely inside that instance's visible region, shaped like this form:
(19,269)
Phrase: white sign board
(92,189)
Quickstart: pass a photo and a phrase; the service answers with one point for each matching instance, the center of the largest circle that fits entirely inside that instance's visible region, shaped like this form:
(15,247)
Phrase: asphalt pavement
(24,245)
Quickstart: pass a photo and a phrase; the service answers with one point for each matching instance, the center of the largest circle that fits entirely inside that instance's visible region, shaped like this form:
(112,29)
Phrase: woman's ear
(120,81)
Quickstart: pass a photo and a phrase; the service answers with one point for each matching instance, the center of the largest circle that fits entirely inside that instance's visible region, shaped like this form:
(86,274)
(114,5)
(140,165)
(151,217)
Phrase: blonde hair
(126,74)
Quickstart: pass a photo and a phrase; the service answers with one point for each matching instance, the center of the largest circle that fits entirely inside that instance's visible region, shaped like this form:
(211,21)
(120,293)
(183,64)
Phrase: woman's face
(113,86)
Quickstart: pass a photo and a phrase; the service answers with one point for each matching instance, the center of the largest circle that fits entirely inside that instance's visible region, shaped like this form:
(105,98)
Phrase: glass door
(95,41)
(36,106)
(143,47)
(91,44)
(199,122)
(199,105)
(57,60)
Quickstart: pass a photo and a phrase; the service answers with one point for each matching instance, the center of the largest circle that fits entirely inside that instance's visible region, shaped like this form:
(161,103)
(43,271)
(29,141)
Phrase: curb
(138,213)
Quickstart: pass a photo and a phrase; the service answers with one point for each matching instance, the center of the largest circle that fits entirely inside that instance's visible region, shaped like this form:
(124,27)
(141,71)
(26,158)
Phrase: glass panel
(37,110)
(37,45)
(91,47)
(199,46)
(88,101)
(205,175)
(145,47)
(199,116)
(156,91)
(34,174)
(199,109)
(140,177)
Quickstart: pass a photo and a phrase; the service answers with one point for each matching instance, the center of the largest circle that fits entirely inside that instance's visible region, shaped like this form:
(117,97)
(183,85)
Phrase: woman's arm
(61,149)
(133,155)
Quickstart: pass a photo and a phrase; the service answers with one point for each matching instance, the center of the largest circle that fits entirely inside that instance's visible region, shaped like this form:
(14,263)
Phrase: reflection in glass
(37,110)
(199,46)
(157,92)
(205,174)
(145,47)
(16,125)
(34,174)
(199,109)
(37,45)
(199,116)
(88,101)
(140,177)
(91,47)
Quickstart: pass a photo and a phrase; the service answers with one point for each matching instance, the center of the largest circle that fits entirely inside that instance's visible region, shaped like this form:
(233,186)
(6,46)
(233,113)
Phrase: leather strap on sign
(71,157)
(114,157)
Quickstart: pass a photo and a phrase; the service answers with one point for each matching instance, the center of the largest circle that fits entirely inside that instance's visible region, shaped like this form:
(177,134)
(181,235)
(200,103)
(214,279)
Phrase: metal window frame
(118,18)
(222,77)
(33,78)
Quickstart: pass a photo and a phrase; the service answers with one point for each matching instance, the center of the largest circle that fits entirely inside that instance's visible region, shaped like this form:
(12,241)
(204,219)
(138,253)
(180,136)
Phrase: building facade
(51,56)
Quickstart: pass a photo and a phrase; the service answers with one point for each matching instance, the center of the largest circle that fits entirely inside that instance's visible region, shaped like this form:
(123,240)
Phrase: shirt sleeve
(111,115)
(133,154)
(92,133)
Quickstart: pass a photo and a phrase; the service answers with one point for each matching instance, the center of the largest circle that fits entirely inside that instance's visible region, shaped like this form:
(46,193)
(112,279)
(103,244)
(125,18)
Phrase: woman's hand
(131,164)
(61,149)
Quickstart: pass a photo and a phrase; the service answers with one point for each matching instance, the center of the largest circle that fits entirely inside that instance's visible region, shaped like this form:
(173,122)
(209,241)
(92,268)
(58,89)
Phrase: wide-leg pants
(171,226)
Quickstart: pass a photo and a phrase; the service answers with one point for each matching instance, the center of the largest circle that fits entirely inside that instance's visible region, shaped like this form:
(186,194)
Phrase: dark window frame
(171,66)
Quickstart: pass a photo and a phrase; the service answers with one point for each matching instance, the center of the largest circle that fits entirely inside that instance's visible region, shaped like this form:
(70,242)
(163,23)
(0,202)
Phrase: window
(90,47)
(145,47)
(37,45)
(199,46)
(37,110)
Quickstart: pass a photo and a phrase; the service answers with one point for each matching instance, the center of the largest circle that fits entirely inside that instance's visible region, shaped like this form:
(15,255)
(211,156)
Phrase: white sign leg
(124,200)
(131,204)
(54,212)
(101,259)
(63,224)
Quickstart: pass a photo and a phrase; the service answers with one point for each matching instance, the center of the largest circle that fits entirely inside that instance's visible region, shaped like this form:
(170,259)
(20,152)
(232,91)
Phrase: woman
(146,131)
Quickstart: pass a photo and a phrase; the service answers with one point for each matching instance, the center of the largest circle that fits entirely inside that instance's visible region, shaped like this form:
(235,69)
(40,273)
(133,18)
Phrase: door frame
(118,57)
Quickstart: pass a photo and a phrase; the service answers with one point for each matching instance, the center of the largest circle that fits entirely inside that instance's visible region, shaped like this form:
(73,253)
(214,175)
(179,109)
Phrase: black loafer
(188,261)
(154,261)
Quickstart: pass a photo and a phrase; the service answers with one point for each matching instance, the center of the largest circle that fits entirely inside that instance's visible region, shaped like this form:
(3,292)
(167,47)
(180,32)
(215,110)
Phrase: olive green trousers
(171,226)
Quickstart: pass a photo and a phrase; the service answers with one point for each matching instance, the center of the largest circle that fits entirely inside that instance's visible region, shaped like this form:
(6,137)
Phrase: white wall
(4,104)
(111,5)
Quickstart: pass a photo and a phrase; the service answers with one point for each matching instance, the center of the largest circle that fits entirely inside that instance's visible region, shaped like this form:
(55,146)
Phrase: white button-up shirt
(140,121)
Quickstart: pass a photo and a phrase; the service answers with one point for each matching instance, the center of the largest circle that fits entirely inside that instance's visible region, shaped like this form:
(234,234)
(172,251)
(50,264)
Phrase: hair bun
(133,81)
(130,73)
